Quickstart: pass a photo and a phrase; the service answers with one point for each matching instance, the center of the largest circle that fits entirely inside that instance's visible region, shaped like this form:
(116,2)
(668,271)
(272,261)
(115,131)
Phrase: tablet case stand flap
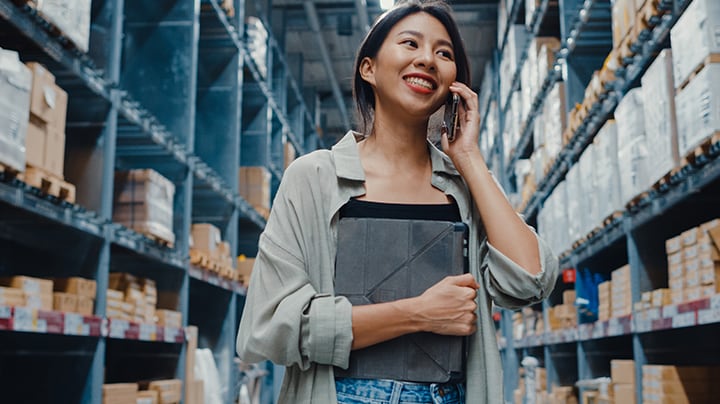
(381,260)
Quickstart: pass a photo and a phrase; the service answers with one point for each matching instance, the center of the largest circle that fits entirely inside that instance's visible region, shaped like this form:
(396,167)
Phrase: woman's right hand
(449,306)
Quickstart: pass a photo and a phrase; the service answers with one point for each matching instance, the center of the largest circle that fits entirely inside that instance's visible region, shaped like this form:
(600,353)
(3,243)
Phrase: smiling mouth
(417,81)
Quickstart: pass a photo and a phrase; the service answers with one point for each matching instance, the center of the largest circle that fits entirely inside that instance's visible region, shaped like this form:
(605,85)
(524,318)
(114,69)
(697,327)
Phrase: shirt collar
(348,166)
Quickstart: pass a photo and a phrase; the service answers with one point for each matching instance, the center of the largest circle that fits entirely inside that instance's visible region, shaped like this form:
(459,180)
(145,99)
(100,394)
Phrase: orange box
(205,238)
(29,284)
(48,102)
(85,305)
(65,302)
(76,285)
(622,371)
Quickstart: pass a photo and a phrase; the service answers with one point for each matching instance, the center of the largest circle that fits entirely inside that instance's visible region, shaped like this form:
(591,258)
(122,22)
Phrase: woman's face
(413,68)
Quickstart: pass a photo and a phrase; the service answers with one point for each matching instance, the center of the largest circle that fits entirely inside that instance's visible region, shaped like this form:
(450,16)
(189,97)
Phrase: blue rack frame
(191,126)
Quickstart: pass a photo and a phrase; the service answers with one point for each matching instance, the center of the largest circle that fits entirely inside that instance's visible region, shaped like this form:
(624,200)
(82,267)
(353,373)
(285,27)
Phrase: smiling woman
(411,61)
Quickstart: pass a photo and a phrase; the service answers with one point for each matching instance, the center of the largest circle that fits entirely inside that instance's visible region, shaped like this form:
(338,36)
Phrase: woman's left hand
(468,130)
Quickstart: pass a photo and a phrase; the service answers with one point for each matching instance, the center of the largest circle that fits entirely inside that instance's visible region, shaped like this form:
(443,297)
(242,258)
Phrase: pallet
(203,260)
(153,231)
(8,172)
(709,59)
(635,201)
(48,184)
(611,218)
(700,150)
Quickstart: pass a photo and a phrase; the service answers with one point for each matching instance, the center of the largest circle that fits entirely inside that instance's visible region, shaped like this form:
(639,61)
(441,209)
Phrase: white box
(588,192)
(72,17)
(694,36)
(554,113)
(15,86)
(632,145)
(573,192)
(607,170)
(660,121)
(698,108)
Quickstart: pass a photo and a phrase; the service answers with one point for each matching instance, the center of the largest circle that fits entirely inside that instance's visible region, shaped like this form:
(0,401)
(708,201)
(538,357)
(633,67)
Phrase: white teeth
(420,82)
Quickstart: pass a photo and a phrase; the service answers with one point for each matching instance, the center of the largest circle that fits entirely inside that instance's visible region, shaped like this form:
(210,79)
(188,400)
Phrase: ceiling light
(386,4)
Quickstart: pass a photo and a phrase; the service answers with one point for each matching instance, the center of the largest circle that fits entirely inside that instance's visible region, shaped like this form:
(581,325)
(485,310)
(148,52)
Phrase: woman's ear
(367,70)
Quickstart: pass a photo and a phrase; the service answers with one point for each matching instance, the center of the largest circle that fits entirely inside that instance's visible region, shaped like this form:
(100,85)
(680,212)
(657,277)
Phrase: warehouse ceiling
(341,29)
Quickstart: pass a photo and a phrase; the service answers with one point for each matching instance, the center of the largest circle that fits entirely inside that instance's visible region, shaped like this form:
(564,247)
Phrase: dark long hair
(363,93)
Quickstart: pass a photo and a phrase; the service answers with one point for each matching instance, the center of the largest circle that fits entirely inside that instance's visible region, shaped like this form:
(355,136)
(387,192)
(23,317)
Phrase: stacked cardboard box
(45,142)
(698,26)
(194,388)
(15,85)
(254,187)
(590,218)
(169,318)
(148,397)
(621,297)
(169,391)
(658,91)
(555,121)
(573,192)
(665,384)
(694,262)
(74,295)
(563,395)
(622,374)
(244,268)
(37,293)
(538,384)
(120,393)
(144,202)
(604,294)
(131,298)
(205,238)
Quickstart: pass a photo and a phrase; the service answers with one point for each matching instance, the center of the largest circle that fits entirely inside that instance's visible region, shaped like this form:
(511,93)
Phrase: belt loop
(397,388)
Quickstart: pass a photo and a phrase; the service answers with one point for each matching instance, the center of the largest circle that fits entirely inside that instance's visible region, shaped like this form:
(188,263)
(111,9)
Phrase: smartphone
(451,116)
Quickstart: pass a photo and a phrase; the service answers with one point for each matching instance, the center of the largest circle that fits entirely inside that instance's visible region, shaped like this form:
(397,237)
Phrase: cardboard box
(623,20)
(85,305)
(689,237)
(624,393)
(633,155)
(54,159)
(115,295)
(40,301)
(148,397)
(76,285)
(205,238)
(673,245)
(569,297)
(48,102)
(28,284)
(660,297)
(65,302)
(119,393)
(622,371)
(254,186)
(169,318)
(244,268)
(143,200)
(15,90)
(690,252)
(700,98)
(12,297)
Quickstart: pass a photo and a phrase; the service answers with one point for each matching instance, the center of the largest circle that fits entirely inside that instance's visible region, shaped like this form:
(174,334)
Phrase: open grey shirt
(291,315)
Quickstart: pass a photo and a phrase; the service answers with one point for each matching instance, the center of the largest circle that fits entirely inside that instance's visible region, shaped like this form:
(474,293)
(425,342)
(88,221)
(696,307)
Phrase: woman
(408,65)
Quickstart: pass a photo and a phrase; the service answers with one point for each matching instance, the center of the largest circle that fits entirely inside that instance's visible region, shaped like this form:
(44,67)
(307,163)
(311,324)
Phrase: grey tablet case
(381,260)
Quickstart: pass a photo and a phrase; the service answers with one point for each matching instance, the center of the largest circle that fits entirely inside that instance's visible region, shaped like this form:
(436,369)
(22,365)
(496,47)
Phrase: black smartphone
(451,116)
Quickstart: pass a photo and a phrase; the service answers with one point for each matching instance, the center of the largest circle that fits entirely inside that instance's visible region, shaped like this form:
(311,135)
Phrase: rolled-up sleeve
(510,285)
(286,318)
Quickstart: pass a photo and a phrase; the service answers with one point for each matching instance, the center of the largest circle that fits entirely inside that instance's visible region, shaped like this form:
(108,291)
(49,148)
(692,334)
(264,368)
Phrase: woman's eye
(410,42)
(446,54)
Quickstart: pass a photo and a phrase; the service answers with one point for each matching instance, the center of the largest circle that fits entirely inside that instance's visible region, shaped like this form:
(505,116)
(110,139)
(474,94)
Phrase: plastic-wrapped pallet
(607,170)
(632,145)
(71,16)
(257,40)
(694,36)
(144,202)
(561,217)
(527,88)
(555,120)
(538,159)
(15,83)
(659,110)
(698,108)
(207,371)
(573,192)
(588,191)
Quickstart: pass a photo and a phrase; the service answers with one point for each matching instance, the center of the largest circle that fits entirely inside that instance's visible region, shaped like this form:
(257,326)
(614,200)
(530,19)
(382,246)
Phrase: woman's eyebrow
(421,35)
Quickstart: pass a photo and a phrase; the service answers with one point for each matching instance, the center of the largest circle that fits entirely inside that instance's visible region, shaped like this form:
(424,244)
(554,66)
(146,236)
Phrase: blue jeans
(373,391)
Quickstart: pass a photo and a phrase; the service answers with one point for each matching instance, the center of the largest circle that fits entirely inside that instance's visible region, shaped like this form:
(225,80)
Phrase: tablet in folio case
(381,260)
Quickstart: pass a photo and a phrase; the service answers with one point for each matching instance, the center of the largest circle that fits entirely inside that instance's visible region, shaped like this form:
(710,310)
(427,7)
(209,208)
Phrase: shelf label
(599,330)
(585,332)
(171,334)
(73,324)
(147,332)
(5,312)
(118,328)
(41,326)
(715,302)
(643,325)
(670,310)
(23,319)
(709,316)
(614,327)
(684,320)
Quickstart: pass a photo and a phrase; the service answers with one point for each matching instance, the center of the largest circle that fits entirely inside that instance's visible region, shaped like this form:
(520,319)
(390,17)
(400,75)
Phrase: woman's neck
(398,141)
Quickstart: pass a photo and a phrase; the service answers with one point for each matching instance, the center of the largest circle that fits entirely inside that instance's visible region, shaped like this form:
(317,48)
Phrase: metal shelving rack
(195,125)
(635,238)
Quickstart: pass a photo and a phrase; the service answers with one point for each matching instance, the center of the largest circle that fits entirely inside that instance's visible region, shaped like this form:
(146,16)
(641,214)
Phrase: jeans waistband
(392,391)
